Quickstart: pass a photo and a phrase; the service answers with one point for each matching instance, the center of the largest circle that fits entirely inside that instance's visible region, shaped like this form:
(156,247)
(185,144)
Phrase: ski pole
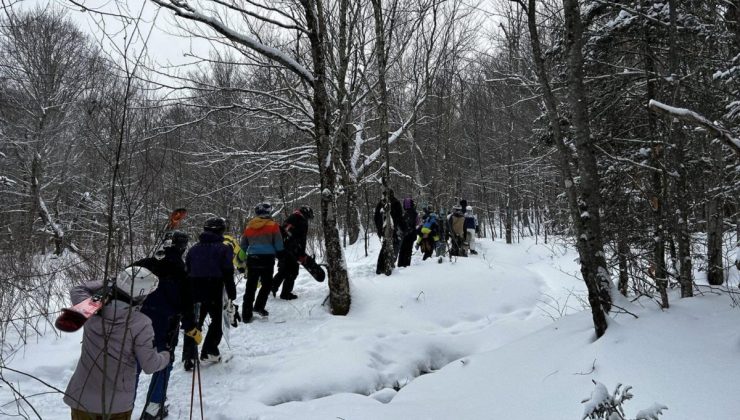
(196,310)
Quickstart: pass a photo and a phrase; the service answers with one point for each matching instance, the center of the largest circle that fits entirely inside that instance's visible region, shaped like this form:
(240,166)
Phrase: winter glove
(196,335)
(240,270)
(417,245)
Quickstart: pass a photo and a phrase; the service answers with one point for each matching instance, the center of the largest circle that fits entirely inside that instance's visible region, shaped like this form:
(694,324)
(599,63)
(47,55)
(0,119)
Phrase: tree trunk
(656,199)
(339,293)
(594,268)
(683,236)
(588,230)
(623,250)
(380,54)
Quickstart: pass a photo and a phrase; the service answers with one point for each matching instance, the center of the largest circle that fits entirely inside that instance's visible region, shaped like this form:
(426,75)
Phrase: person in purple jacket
(104,382)
(210,272)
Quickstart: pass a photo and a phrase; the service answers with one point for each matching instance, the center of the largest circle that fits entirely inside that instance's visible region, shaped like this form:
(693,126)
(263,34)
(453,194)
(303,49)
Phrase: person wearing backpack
(456,229)
(114,340)
(411,221)
(428,233)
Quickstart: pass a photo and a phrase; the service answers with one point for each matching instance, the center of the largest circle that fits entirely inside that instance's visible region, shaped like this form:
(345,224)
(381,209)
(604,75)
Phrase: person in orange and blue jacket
(263,243)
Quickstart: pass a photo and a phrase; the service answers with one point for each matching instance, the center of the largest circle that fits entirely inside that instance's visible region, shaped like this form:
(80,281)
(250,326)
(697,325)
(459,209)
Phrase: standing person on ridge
(210,271)
(471,229)
(411,221)
(456,230)
(295,231)
(263,242)
(165,307)
(114,340)
(429,234)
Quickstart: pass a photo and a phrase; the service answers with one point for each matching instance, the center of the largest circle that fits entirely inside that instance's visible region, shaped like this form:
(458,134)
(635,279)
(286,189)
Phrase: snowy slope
(468,339)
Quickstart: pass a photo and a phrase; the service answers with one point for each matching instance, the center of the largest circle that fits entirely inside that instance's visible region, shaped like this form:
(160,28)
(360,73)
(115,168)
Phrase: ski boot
(189,365)
(210,358)
(288,296)
(262,312)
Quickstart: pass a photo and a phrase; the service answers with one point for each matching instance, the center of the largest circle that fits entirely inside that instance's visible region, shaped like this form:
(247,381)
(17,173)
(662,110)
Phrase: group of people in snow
(427,231)
(155,297)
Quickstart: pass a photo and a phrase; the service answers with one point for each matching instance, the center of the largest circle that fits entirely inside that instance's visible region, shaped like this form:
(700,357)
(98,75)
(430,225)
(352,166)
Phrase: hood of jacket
(258,222)
(210,237)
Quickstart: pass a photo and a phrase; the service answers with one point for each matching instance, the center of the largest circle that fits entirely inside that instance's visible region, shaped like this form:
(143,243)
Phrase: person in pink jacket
(114,340)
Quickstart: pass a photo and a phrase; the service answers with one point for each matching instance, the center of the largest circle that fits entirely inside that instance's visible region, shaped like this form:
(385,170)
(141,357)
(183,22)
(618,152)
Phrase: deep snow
(475,338)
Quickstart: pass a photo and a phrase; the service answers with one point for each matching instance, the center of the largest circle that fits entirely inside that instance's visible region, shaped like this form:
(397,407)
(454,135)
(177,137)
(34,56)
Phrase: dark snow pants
(287,273)
(257,272)
(407,246)
(213,309)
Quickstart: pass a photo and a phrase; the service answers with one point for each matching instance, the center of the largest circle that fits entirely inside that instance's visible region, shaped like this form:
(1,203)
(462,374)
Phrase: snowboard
(313,268)
(72,319)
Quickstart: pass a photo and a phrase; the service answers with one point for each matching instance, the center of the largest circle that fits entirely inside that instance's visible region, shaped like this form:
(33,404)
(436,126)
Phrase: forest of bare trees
(536,112)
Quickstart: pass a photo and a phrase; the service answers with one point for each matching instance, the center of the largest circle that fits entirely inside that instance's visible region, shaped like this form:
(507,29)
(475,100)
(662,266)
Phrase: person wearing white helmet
(114,340)
(471,227)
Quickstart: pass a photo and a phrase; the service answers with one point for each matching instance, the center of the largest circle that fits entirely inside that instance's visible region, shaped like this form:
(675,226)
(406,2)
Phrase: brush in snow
(72,319)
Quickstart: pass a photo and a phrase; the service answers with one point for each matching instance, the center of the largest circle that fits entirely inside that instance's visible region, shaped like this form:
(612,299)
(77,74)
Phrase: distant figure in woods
(210,271)
(456,230)
(397,225)
(113,342)
(471,229)
(295,232)
(170,303)
(411,221)
(262,242)
(429,234)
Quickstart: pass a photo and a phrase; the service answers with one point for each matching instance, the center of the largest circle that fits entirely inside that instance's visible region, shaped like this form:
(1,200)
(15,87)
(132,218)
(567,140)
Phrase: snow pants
(166,331)
(258,271)
(287,273)
(407,246)
(471,239)
(214,309)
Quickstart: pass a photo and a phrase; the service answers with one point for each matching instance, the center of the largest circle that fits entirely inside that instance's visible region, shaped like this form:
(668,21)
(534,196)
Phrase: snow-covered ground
(485,337)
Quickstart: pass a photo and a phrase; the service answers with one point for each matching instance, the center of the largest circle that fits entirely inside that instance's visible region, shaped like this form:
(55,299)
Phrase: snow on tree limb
(183,9)
(696,119)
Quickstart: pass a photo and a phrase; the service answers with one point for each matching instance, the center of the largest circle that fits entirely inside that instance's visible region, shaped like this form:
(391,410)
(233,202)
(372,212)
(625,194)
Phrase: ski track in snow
(400,327)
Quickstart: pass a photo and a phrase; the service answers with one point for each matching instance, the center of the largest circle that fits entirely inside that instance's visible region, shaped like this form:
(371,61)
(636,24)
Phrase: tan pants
(82,415)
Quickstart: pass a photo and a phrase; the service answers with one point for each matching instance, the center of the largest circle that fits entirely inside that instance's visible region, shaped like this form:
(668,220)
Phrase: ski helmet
(136,282)
(306,211)
(263,209)
(176,239)
(215,225)
(457,209)
(469,208)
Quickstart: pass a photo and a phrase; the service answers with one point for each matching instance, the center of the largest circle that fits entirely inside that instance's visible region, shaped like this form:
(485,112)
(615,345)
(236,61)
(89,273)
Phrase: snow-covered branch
(183,9)
(696,119)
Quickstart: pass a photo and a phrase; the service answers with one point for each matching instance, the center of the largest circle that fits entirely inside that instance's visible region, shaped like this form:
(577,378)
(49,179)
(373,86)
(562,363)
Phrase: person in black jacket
(399,225)
(210,271)
(166,306)
(294,230)
(410,220)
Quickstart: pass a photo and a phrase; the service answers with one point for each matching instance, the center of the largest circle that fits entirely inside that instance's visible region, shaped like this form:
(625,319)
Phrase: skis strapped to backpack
(73,318)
